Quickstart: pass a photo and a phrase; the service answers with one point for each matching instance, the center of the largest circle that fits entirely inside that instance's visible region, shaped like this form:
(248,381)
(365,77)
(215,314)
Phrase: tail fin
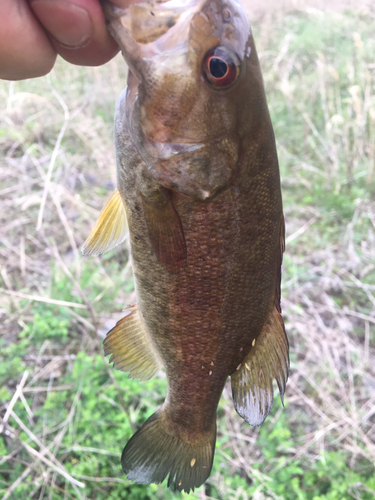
(152,454)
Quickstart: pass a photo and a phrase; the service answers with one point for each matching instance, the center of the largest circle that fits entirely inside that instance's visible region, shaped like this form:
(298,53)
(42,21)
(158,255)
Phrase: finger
(25,50)
(125,3)
(77,30)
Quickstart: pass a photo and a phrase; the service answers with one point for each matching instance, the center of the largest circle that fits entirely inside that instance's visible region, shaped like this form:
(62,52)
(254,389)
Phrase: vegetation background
(65,413)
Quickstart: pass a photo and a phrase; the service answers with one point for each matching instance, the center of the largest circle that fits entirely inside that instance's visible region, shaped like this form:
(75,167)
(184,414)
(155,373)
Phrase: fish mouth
(150,20)
(138,27)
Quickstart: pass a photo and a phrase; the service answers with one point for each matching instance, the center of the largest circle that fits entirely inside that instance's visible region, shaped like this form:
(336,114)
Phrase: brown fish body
(205,317)
(198,175)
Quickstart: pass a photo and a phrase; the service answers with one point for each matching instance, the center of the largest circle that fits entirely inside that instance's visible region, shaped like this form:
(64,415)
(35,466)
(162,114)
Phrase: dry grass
(50,196)
(56,170)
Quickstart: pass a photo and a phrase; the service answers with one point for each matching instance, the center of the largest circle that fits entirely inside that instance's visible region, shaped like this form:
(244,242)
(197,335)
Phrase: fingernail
(69,24)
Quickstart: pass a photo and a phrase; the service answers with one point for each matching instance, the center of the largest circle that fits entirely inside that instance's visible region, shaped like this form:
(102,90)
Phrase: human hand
(33,32)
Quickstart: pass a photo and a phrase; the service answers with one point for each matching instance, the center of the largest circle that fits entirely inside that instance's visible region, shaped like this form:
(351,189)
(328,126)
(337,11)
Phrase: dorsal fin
(110,229)
(252,381)
(131,347)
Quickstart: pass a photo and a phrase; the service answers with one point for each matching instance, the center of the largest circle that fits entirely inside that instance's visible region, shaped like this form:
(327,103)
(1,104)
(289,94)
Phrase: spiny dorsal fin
(131,347)
(110,229)
(268,359)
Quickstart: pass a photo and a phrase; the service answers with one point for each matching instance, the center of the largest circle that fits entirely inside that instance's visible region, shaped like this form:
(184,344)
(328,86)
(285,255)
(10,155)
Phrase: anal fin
(110,229)
(131,348)
(165,230)
(268,359)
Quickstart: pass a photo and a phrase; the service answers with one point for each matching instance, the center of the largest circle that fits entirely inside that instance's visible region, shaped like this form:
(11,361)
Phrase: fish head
(194,74)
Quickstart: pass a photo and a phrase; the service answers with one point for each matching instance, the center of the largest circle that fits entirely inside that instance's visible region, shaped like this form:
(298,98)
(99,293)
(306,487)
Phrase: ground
(66,414)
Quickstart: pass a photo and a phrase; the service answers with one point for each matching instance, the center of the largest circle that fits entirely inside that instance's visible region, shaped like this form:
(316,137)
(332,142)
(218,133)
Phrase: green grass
(319,76)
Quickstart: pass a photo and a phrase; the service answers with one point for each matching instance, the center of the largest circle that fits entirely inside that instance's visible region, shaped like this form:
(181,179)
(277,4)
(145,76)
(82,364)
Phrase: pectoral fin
(131,347)
(252,382)
(110,229)
(165,231)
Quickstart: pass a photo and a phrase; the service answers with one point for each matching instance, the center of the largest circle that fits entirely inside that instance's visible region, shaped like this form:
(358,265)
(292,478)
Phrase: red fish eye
(221,67)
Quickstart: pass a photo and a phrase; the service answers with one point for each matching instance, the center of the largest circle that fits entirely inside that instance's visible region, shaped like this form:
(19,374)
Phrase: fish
(198,192)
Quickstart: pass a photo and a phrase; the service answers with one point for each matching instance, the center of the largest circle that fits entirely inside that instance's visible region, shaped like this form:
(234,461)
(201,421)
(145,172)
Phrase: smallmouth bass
(199,192)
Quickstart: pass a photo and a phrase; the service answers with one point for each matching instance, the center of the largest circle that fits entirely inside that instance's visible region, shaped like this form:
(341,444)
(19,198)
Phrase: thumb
(76,29)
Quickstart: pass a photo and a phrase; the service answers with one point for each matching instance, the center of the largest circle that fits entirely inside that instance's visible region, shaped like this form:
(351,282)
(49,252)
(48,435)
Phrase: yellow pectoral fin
(268,359)
(110,229)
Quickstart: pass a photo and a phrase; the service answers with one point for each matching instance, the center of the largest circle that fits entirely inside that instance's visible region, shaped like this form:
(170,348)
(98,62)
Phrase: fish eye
(226,16)
(221,67)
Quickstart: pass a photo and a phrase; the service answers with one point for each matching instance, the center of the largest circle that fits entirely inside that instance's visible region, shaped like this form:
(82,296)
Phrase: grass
(66,414)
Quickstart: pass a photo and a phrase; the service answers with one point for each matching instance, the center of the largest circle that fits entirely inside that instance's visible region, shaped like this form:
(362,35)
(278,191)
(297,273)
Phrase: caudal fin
(152,454)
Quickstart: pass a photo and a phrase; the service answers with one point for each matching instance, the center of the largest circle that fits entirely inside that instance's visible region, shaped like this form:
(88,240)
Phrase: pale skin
(34,32)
